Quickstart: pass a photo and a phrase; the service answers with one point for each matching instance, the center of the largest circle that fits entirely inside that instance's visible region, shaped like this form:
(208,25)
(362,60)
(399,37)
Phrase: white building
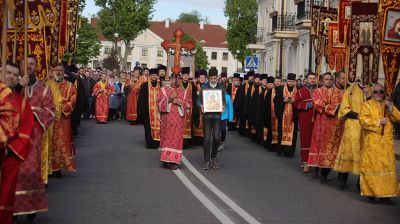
(295,37)
(148,52)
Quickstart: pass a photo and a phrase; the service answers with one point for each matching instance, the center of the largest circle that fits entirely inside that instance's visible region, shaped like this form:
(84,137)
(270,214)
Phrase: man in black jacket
(211,121)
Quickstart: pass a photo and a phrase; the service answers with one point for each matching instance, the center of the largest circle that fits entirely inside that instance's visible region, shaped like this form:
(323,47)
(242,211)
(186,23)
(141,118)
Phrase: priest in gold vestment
(348,157)
(47,143)
(378,166)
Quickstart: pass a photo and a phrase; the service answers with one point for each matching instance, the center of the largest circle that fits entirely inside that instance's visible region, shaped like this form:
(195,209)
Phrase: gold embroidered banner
(365,41)
(389,23)
(321,17)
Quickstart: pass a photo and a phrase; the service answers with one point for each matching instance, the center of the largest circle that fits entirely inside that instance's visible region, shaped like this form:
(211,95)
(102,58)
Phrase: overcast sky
(213,9)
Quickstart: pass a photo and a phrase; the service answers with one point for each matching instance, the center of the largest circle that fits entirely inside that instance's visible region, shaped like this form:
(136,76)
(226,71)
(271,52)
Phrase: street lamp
(116,35)
(237,59)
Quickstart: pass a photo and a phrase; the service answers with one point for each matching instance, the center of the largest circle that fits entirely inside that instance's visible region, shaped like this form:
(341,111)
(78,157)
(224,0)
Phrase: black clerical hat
(270,79)
(153,71)
(291,76)
(263,76)
(236,75)
(185,70)
(162,67)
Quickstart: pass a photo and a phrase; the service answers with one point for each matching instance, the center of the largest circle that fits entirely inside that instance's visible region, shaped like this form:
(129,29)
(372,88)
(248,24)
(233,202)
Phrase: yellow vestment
(48,134)
(378,168)
(348,157)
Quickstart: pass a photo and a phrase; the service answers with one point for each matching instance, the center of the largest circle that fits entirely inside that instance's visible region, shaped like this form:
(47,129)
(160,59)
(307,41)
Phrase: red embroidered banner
(336,50)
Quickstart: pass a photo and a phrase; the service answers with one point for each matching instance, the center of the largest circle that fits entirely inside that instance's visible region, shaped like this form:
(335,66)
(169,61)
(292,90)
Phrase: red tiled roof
(213,35)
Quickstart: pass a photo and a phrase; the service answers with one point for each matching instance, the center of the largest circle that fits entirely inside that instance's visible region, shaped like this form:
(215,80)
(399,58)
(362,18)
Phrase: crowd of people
(343,127)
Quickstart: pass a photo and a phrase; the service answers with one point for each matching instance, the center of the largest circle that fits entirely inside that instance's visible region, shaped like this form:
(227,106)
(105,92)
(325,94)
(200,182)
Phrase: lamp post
(237,60)
(116,35)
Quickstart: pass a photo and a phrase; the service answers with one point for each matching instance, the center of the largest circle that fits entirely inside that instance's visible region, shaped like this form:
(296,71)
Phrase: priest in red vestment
(63,152)
(305,110)
(102,91)
(328,128)
(190,91)
(133,93)
(148,113)
(30,194)
(18,147)
(172,106)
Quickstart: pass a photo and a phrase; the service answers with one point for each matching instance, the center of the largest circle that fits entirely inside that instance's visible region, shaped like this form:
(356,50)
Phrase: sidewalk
(397,149)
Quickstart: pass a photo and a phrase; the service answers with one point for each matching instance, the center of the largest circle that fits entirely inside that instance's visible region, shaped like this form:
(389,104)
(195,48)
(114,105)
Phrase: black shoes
(173,166)
(31,218)
(371,200)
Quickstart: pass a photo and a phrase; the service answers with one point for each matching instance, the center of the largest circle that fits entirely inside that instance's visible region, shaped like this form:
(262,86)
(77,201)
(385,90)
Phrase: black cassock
(260,115)
(279,110)
(241,102)
(144,116)
(252,111)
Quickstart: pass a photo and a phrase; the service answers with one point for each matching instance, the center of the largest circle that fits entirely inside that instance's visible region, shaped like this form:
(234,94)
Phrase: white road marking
(203,199)
(241,212)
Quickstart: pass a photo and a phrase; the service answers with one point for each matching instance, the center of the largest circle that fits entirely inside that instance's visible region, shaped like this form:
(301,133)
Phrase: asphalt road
(120,181)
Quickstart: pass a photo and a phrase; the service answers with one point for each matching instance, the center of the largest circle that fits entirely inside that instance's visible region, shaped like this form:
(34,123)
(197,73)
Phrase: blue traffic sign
(251,62)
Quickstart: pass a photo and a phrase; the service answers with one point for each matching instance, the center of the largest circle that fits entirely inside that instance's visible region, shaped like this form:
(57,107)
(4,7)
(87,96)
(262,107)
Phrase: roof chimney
(202,25)
(166,23)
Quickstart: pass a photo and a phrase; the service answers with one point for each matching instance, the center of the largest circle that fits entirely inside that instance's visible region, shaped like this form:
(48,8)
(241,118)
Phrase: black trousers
(223,130)
(150,143)
(325,171)
(212,134)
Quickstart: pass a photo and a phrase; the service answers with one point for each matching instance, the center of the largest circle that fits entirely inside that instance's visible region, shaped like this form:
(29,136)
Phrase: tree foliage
(242,26)
(128,18)
(82,4)
(190,17)
(201,59)
(88,46)
(111,62)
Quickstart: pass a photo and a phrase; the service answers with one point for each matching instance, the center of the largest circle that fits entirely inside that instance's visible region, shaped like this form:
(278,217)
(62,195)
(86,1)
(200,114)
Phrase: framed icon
(392,27)
(212,100)
(366,34)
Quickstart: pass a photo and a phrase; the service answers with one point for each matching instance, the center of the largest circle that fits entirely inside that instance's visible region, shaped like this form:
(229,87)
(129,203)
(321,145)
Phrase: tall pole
(310,47)
(281,40)
(25,37)
(4,42)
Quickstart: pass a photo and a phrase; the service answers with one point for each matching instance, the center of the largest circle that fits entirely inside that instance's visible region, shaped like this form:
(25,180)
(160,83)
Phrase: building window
(160,53)
(212,67)
(145,52)
(107,50)
(128,66)
(119,49)
(224,69)
(213,55)
(96,64)
(225,56)
(144,65)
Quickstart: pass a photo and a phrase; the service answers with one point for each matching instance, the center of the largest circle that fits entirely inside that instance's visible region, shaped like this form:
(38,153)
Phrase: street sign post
(251,63)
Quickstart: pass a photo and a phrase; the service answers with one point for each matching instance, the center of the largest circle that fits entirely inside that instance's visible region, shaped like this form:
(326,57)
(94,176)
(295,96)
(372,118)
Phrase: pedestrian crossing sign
(251,62)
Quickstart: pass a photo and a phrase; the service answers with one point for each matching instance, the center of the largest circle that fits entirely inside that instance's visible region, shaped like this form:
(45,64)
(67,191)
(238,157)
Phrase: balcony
(261,38)
(303,12)
(284,27)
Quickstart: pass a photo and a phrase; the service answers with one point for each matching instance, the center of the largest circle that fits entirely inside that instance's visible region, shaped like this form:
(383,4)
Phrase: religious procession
(100,123)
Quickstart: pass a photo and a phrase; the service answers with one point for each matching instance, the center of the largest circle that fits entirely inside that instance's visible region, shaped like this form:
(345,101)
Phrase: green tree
(82,4)
(242,26)
(190,17)
(88,45)
(111,62)
(200,57)
(128,18)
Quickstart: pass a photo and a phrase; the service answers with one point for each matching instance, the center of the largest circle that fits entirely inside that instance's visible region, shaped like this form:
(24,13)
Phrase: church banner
(336,50)
(321,17)
(389,21)
(365,41)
